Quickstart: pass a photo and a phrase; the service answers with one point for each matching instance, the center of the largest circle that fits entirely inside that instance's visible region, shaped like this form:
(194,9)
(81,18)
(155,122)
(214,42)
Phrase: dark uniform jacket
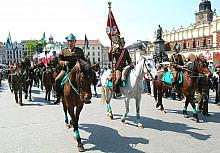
(17,80)
(25,63)
(177,59)
(71,56)
(126,58)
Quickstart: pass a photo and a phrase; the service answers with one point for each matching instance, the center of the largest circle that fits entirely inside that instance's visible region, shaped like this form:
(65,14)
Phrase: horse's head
(82,78)
(150,67)
(201,66)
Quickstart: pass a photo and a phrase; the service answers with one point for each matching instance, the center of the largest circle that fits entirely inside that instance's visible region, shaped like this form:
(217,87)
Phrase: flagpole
(110,17)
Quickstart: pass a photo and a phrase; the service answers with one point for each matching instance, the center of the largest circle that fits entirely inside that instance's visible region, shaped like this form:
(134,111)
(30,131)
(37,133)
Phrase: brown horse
(47,80)
(190,85)
(77,91)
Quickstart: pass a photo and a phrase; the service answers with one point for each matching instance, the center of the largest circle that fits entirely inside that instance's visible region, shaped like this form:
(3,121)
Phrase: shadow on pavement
(167,126)
(215,116)
(27,104)
(107,139)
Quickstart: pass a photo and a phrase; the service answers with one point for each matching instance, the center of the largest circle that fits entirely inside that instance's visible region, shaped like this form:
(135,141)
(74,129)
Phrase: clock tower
(205,14)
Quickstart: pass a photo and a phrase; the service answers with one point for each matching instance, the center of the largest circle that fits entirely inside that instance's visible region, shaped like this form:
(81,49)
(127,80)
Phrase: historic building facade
(202,36)
(93,52)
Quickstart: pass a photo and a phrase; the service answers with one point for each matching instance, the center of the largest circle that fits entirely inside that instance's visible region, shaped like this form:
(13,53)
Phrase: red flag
(112,28)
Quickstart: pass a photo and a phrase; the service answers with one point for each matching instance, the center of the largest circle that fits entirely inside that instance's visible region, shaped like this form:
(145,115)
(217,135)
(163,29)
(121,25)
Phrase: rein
(72,86)
(136,75)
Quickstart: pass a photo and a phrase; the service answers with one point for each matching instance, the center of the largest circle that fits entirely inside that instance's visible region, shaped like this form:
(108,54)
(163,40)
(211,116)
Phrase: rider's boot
(57,85)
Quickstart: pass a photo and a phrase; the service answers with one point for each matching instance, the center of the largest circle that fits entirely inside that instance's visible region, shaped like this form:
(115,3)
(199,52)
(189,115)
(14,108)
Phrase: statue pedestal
(159,51)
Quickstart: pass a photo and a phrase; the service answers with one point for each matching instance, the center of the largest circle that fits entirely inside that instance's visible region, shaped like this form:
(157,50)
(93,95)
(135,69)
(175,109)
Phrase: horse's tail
(103,94)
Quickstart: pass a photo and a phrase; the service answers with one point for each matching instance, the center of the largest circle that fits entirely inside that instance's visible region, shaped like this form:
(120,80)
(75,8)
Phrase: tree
(31,45)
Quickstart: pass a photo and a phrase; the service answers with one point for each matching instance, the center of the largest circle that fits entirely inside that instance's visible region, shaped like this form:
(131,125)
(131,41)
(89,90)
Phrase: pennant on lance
(112,28)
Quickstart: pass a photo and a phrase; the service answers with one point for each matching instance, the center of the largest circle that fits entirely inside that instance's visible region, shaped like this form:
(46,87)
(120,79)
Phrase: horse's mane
(87,69)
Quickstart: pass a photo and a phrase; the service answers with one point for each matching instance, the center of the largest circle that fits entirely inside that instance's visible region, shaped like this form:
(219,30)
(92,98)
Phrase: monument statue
(159,33)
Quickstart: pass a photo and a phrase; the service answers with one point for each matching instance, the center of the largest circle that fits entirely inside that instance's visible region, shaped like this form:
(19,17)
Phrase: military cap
(70,37)
(24,53)
(122,40)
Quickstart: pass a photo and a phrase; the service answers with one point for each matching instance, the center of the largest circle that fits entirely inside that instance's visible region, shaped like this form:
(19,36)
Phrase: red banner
(112,28)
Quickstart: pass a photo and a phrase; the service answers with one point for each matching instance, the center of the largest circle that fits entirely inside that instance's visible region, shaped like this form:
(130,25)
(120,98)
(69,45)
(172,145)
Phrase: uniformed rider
(67,60)
(177,61)
(123,63)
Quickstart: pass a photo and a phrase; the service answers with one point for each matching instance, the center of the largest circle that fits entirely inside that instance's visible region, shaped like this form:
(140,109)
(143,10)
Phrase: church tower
(205,14)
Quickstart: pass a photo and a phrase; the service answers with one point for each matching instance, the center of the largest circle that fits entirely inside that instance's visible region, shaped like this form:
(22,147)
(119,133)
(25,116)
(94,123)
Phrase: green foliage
(31,45)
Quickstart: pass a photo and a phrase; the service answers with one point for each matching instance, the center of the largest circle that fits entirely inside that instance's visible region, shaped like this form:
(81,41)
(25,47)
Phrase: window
(88,47)
(188,45)
(93,53)
(93,48)
(209,42)
(98,53)
(88,53)
(98,48)
(198,43)
(98,59)
(93,59)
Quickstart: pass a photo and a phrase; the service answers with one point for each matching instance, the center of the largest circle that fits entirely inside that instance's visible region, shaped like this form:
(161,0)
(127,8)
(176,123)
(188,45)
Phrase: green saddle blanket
(168,78)
(108,83)
(64,81)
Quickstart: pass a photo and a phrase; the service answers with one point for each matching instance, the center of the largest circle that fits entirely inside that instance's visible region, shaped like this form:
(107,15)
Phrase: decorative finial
(109,4)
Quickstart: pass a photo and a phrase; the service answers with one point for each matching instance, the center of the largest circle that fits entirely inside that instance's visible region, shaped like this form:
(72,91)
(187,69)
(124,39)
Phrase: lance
(110,17)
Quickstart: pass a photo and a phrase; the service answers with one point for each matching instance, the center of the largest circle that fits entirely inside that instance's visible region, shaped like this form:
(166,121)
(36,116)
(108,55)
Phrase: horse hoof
(68,126)
(122,119)
(109,114)
(196,118)
(80,147)
(157,105)
(140,125)
(186,116)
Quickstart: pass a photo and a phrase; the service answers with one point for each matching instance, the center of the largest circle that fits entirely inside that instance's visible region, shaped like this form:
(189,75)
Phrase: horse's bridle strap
(77,92)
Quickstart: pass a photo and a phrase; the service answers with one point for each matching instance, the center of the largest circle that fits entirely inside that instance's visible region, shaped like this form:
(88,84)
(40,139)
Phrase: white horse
(133,88)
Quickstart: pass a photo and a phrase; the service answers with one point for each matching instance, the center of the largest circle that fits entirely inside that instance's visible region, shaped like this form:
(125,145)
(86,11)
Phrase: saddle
(170,78)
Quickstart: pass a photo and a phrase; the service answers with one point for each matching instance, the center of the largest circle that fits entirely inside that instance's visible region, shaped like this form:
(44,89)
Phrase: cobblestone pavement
(38,127)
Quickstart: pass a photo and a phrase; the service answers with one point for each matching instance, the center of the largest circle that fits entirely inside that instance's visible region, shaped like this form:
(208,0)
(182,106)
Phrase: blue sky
(136,19)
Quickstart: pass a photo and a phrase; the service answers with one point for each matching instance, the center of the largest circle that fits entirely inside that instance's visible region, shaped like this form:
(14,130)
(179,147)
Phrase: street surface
(38,127)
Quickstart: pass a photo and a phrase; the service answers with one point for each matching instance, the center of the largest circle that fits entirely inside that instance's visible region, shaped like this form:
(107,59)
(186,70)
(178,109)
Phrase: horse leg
(159,99)
(195,115)
(30,86)
(96,95)
(109,110)
(26,90)
(41,84)
(126,110)
(75,122)
(108,99)
(185,107)
(46,92)
(138,100)
(65,114)
(49,94)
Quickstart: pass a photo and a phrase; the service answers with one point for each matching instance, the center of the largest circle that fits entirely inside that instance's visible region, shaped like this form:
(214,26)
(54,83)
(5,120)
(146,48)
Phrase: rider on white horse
(122,58)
